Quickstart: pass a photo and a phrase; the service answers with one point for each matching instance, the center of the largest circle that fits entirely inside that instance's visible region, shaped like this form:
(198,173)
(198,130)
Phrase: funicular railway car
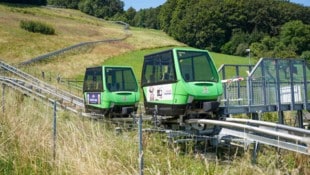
(181,83)
(111,90)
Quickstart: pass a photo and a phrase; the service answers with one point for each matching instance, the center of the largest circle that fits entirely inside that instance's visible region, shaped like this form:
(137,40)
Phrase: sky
(142,4)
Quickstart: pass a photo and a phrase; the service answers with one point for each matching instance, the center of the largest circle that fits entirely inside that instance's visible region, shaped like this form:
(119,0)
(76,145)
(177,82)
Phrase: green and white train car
(111,90)
(181,82)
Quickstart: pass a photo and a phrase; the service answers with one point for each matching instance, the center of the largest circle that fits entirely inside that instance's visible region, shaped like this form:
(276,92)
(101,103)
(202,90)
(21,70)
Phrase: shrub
(37,27)
(306,55)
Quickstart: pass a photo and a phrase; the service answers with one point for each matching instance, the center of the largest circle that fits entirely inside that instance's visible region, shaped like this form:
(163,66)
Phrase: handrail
(270,124)
(76,100)
(267,136)
(35,94)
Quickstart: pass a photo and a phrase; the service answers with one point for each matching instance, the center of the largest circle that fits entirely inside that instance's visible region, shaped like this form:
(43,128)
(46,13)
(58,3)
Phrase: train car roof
(110,66)
(177,48)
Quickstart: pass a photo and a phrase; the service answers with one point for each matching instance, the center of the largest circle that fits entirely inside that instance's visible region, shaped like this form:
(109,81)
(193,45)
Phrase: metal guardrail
(38,84)
(286,139)
(36,92)
(73,84)
(272,126)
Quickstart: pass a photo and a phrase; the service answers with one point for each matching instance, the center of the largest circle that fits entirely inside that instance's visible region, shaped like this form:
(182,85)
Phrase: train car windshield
(93,80)
(196,66)
(120,79)
(158,69)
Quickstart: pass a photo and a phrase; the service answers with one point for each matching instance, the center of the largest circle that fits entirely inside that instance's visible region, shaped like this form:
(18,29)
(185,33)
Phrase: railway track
(34,87)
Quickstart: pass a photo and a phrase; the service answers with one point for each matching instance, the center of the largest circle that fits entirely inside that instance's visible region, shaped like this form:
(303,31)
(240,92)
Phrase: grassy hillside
(72,27)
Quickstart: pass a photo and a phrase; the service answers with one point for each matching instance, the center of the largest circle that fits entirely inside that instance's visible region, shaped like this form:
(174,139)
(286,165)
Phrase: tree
(130,15)
(71,4)
(147,18)
(306,56)
(296,35)
(33,2)
(101,8)
(213,24)
(237,38)
(165,14)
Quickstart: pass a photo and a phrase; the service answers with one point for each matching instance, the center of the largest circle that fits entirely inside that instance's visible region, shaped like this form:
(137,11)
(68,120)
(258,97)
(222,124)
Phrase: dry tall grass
(82,146)
(86,146)
(71,27)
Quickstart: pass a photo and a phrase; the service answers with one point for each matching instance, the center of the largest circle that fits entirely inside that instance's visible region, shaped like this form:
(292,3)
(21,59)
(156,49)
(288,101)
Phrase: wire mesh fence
(234,92)
(270,82)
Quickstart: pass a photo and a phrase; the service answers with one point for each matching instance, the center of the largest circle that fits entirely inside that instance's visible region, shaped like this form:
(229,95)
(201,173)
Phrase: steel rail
(248,138)
(267,136)
(75,99)
(35,88)
(276,126)
(301,139)
(33,93)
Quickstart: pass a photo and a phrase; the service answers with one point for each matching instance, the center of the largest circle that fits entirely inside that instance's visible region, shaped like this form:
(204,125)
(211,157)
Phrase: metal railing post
(54,130)
(140,146)
(300,119)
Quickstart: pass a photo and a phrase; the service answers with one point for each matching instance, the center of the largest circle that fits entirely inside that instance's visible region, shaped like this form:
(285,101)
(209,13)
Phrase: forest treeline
(269,28)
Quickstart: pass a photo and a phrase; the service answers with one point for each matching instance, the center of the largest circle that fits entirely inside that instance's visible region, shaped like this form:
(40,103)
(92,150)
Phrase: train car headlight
(219,98)
(112,105)
(136,104)
(190,99)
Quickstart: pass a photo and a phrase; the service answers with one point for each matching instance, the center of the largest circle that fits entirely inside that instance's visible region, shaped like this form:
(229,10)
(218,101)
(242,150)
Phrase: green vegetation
(233,26)
(228,27)
(32,2)
(86,146)
(72,27)
(37,27)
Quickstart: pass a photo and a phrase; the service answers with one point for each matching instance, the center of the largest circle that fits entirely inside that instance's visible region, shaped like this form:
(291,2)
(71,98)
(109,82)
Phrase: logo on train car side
(160,92)
(205,90)
(93,98)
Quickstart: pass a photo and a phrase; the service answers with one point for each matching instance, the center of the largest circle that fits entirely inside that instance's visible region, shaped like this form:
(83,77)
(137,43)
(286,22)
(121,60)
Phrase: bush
(306,55)
(37,27)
